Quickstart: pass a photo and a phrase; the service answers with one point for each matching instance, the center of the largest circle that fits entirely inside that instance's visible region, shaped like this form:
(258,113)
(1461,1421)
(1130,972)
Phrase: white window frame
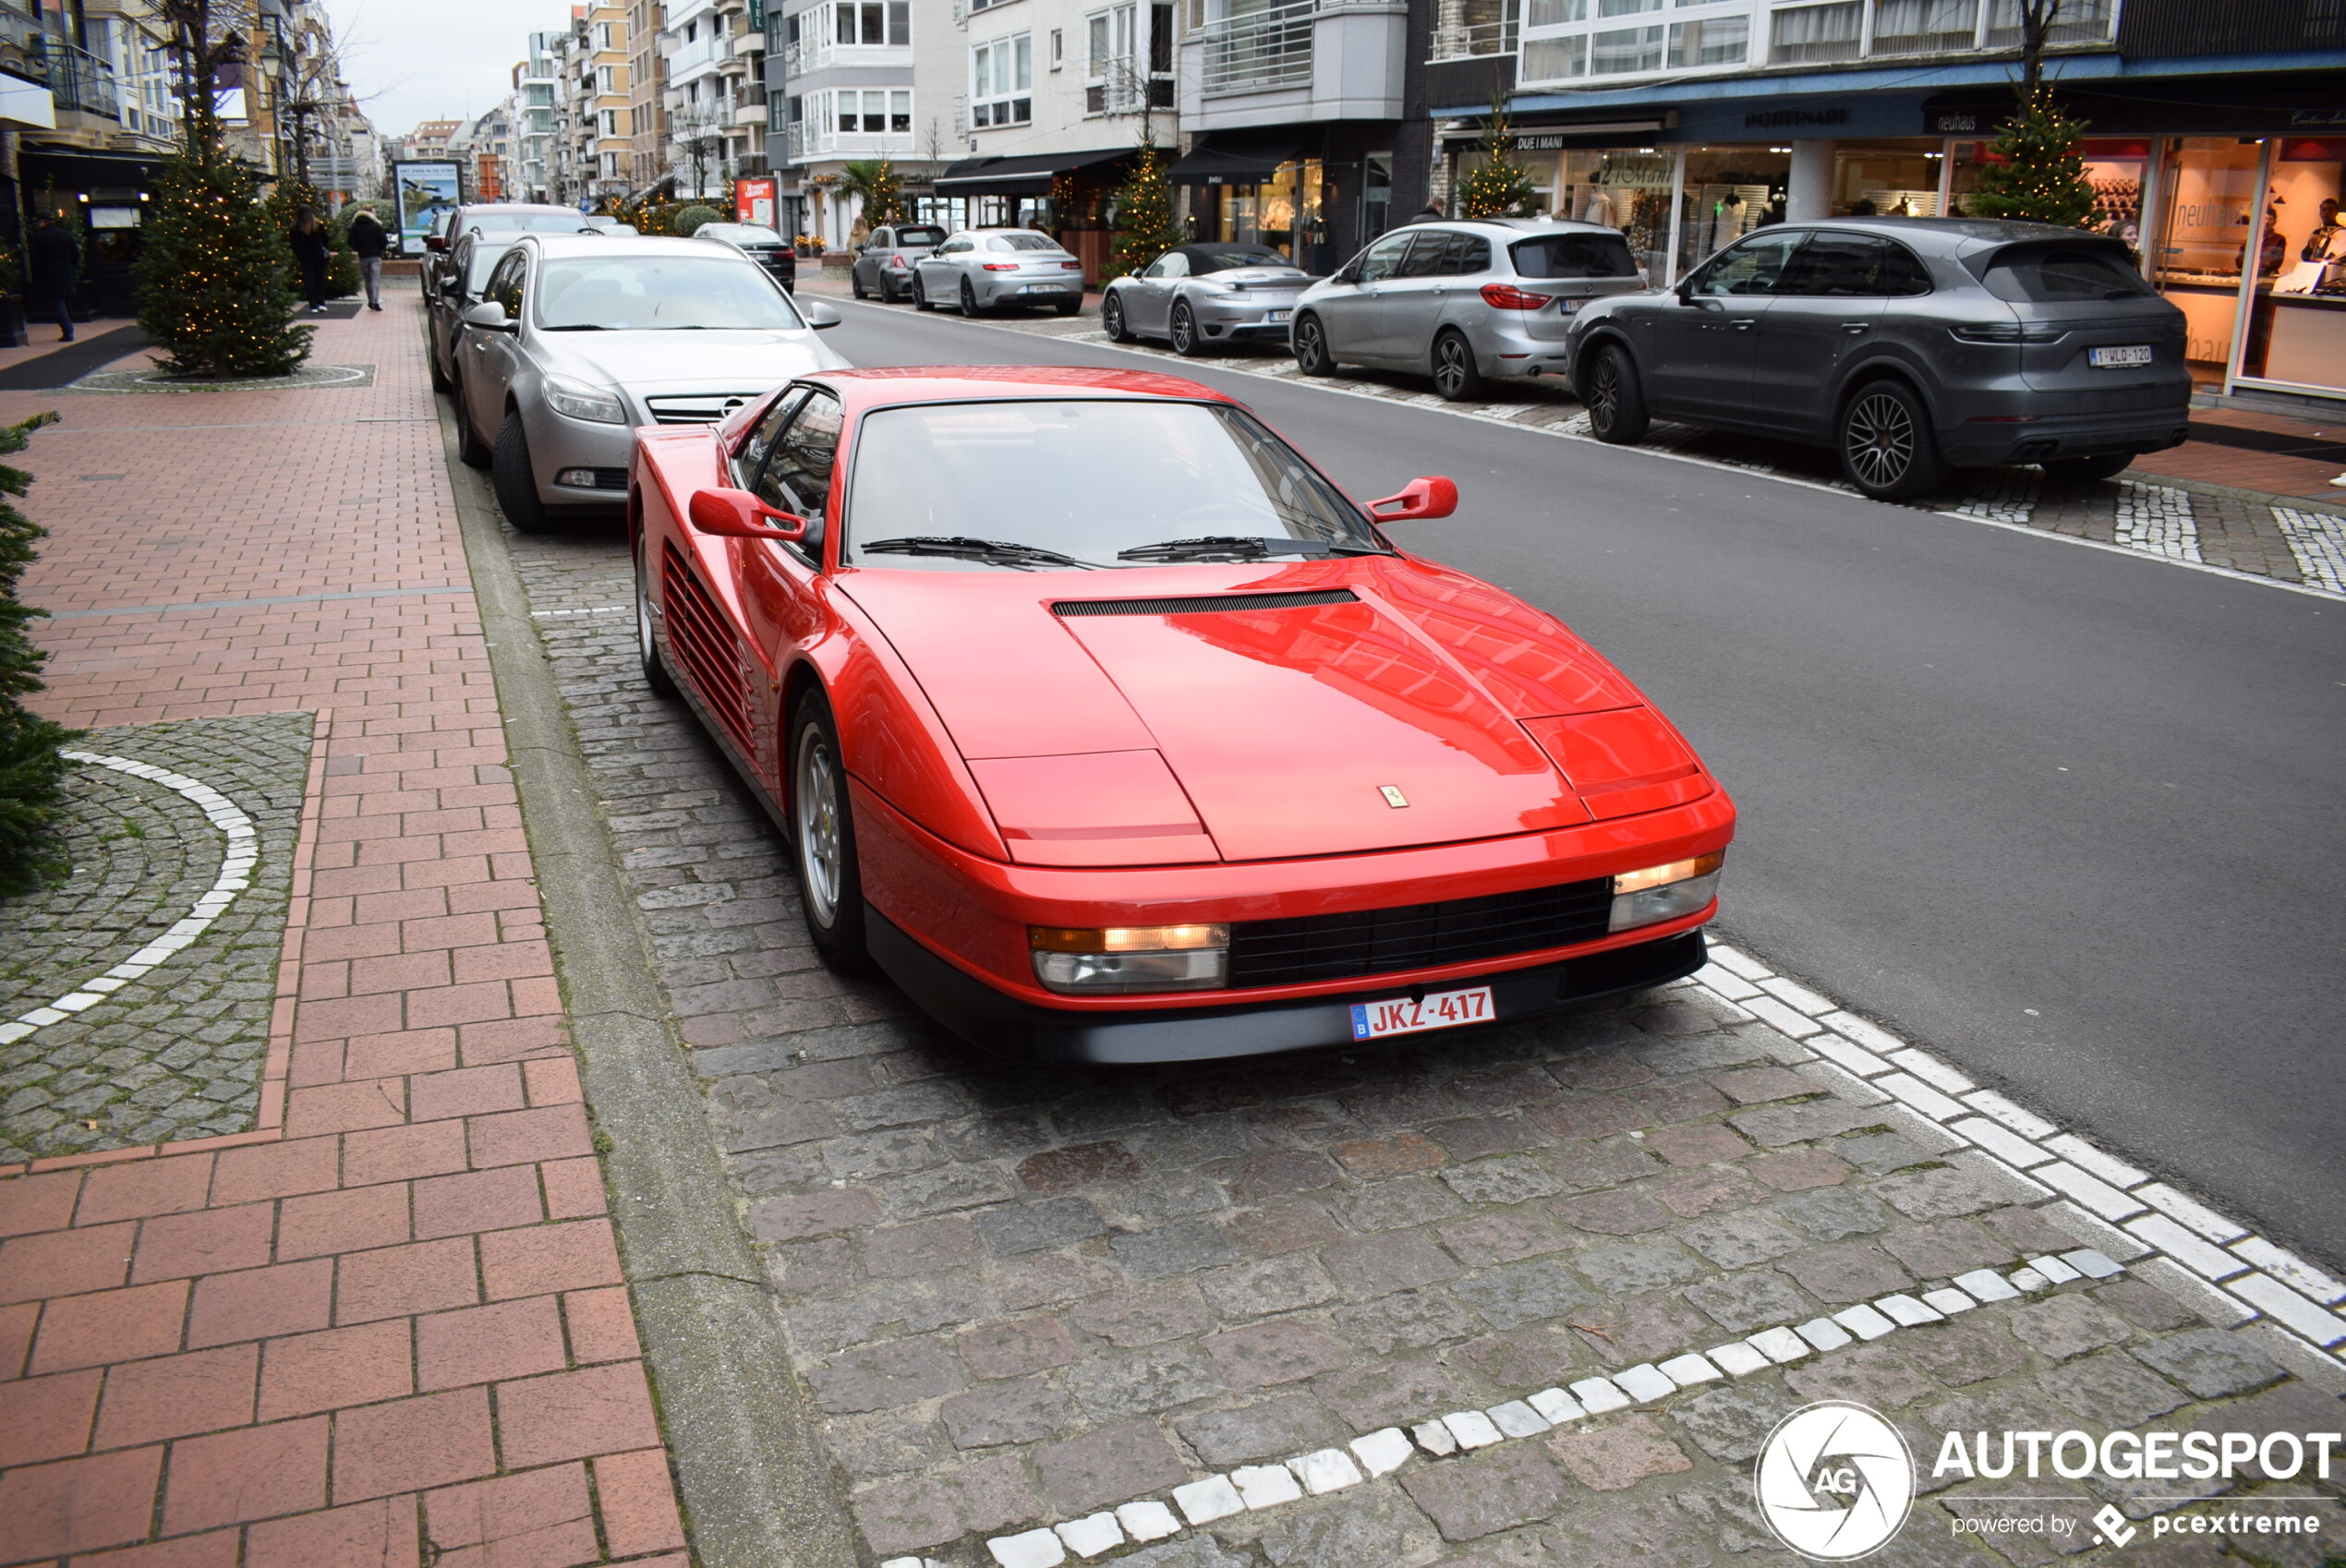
(1002,81)
(895,19)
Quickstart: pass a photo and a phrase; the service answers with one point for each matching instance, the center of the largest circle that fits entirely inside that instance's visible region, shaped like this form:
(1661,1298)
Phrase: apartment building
(714,94)
(593,134)
(647,151)
(536,78)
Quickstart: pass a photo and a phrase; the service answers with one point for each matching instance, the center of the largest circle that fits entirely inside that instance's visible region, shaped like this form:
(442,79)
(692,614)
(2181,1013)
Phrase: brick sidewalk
(393,1328)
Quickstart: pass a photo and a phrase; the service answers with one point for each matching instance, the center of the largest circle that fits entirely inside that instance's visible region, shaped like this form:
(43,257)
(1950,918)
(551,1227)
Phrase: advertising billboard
(424,190)
(754,201)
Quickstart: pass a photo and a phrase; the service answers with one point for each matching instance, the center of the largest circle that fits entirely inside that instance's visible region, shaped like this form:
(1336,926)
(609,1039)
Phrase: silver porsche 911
(1201,295)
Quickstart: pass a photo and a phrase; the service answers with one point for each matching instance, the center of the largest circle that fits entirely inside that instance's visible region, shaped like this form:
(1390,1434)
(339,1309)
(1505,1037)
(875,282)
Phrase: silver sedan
(978,270)
(578,339)
(1198,295)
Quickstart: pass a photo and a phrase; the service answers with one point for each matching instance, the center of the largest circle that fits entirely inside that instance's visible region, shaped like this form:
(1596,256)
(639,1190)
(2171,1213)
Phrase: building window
(1555,59)
(874,112)
(873,23)
(986,4)
(1001,82)
(1717,41)
(1625,51)
(1811,33)
(1107,59)
(1058,48)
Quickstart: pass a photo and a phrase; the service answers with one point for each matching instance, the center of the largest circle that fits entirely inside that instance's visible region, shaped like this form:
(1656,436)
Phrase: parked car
(1198,295)
(989,269)
(884,267)
(468,266)
(1907,345)
(1464,302)
(603,223)
(577,339)
(507,217)
(764,246)
(1284,791)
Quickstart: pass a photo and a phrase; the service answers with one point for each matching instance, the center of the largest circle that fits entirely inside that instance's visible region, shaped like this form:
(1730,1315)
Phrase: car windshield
(1022,242)
(918,234)
(1238,256)
(1088,481)
(661,293)
(1573,255)
(2063,273)
(527,222)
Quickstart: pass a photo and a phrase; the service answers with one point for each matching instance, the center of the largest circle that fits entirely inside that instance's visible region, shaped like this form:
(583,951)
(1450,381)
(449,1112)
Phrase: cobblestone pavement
(176,1053)
(1027,1298)
(2302,543)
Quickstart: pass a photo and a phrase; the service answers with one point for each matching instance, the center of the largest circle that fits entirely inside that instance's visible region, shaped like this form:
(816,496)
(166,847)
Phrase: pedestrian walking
(369,240)
(309,250)
(56,260)
(1432,214)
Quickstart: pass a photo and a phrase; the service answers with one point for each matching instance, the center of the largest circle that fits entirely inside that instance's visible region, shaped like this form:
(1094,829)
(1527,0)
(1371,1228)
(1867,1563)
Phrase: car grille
(1367,942)
(695,408)
(705,644)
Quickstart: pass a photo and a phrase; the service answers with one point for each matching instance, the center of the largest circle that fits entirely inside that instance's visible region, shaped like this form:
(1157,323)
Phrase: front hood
(1284,726)
(668,362)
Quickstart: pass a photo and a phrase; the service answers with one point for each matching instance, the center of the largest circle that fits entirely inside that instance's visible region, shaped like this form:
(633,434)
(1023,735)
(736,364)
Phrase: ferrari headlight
(1131,958)
(576,400)
(1664,892)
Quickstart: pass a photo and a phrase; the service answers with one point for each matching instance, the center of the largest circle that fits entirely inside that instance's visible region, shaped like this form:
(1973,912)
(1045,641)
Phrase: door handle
(1855,326)
(1745,325)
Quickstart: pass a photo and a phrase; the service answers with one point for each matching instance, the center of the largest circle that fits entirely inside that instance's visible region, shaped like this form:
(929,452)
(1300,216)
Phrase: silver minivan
(1464,302)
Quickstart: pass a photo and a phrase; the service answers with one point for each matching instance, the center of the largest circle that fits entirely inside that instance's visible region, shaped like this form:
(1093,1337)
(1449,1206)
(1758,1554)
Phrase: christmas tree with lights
(2033,171)
(1146,226)
(1497,187)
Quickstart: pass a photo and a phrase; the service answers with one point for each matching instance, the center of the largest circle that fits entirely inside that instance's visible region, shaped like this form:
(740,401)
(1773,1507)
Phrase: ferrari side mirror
(737,514)
(1420,499)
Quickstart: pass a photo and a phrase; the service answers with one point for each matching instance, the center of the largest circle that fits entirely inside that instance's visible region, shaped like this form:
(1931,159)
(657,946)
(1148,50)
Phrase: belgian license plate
(1047,288)
(1442,1009)
(2117,358)
(1274,316)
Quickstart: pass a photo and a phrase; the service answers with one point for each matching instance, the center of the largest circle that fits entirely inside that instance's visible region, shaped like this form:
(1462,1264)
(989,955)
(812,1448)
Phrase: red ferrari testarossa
(1115,731)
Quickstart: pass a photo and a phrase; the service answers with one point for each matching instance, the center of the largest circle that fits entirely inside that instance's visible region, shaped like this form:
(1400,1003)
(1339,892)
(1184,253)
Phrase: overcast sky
(411,60)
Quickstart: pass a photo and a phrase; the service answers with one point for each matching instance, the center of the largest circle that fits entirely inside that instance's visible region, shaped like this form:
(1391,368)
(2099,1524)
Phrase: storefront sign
(754,202)
(1785,119)
(1955,125)
(2317,116)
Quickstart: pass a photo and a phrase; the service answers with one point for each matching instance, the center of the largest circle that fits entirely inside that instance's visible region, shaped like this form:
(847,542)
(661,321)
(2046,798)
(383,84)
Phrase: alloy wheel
(1112,319)
(1604,393)
(1311,347)
(1183,330)
(1880,440)
(819,853)
(1449,367)
(969,298)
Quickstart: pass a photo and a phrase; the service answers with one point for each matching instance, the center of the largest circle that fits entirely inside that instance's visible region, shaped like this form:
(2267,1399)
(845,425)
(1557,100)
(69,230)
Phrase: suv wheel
(1112,319)
(1616,401)
(1309,342)
(1182,329)
(1886,445)
(1456,375)
(2085,470)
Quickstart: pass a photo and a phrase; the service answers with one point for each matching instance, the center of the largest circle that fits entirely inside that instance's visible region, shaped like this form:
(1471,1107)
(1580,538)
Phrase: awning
(1029,175)
(1236,159)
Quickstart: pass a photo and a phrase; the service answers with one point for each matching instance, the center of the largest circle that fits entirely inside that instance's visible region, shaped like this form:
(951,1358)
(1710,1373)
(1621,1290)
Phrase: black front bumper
(987,1018)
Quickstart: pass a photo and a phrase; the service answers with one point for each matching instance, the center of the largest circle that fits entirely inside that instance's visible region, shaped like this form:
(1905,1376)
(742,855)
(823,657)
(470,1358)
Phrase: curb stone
(757,1488)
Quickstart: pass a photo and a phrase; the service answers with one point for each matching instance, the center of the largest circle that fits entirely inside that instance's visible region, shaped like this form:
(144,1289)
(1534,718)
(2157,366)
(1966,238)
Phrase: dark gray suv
(1907,345)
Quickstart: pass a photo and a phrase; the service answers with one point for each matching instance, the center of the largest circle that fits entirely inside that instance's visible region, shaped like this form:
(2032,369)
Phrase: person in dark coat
(369,240)
(55,262)
(310,249)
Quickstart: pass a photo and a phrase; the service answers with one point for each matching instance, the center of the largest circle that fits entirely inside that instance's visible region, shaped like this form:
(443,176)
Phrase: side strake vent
(705,645)
(1206,604)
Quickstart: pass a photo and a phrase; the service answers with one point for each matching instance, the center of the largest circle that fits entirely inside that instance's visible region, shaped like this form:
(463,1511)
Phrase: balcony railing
(1464,30)
(1259,49)
(80,80)
(703,50)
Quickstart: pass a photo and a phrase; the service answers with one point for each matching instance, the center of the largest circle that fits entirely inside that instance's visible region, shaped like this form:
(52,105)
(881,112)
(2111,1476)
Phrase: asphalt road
(2070,816)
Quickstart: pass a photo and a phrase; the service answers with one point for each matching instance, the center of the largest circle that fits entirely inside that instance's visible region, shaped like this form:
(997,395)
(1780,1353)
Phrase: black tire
(1886,445)
(656,674)
(1456,375)
(1067,306)
(516,485)
(969,301)
(920,295)
(1614,397)
(471,450)
(822,836)
(1181,328)
(1309,340)
(887,294)
(856,283)
(2086,470)
(1112,319)
(439,382)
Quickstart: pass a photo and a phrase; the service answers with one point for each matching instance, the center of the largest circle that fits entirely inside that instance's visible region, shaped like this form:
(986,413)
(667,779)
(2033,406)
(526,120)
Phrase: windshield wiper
(1004,553)
(1240,547)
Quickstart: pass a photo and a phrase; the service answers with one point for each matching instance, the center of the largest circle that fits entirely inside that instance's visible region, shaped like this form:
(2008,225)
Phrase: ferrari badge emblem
(1393,796)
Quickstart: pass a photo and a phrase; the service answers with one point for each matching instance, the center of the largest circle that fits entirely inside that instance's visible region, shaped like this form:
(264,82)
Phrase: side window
(1466,255)
(797,475)
(1902,272)
(504,285)
(1172,264)
(1426,254)
(882,239)
(763,435)
(1836,266)
(1750,266)
(1381,260)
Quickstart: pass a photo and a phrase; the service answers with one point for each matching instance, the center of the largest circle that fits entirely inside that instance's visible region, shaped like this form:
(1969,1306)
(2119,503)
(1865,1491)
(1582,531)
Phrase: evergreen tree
(2034,171)
(686,221)
(1146,226)
(213,276)
(31,773)
(1497,187)
(880,188)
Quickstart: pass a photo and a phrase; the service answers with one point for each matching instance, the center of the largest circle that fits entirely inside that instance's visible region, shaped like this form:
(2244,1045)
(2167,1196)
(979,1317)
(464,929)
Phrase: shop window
(1625,51)
(1728,192)
(1809,33)
(1926,27)
(1715,41)
(2297,322)
(1628,190)
(1377,194)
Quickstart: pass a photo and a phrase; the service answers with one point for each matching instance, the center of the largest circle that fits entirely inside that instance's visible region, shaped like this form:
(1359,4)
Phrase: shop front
(102,198)
(1064,194)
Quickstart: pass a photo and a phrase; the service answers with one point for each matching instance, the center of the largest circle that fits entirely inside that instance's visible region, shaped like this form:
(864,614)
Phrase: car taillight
(787,254)
(1506,296)
(1000,265)
(2007,331)
(1070,266)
